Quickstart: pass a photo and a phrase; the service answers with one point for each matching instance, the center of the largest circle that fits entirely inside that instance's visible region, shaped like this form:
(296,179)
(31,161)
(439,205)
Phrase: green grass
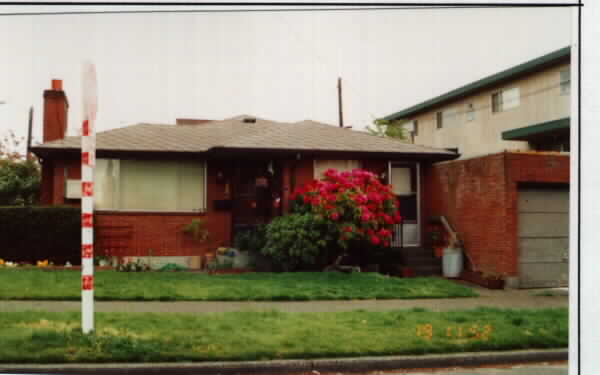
(42,337)
(36,284)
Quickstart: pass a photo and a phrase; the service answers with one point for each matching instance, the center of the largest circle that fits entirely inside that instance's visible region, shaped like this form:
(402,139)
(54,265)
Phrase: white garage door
(543,237)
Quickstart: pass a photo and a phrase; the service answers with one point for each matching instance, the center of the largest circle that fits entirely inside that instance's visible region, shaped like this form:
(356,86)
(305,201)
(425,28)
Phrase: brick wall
(479,198)
(162,232)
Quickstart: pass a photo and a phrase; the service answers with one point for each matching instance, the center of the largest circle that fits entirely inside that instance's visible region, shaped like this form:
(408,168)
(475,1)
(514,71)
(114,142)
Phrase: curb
(297,366)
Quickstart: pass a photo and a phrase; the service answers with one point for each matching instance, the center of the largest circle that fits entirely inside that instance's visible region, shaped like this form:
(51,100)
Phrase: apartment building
(507,195)
(525,107)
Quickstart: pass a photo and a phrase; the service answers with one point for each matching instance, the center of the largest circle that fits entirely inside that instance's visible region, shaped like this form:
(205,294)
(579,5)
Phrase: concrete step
(422,260)
(427,270)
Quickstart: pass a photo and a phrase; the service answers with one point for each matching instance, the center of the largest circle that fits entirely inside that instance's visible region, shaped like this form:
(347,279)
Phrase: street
(554,368)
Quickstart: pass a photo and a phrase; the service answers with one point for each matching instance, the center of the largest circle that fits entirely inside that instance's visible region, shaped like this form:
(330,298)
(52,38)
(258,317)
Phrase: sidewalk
(517,299)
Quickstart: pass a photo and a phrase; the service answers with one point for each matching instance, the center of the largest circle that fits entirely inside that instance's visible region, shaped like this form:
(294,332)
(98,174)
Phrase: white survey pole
(88,160)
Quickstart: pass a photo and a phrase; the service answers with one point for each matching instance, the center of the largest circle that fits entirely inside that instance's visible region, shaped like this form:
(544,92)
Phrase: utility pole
(28,154)
(341,111)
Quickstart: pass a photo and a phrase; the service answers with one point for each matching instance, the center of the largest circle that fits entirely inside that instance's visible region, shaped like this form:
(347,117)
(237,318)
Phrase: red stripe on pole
(87,220)
(85,158)
(87,251)
(86,128)
(87,189)
(87,282)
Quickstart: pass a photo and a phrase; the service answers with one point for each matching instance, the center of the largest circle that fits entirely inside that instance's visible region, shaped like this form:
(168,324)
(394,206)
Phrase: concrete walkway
(518,299)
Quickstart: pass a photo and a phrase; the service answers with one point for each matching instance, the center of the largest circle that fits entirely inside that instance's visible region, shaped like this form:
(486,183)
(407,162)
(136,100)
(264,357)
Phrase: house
(508,194)
(153,179)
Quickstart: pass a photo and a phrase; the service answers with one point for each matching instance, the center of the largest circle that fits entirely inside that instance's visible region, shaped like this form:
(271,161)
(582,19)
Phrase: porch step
(429,270)
(422,261)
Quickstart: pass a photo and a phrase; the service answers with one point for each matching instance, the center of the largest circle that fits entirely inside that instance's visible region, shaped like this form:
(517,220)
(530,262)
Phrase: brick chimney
(191,121)
(56,108)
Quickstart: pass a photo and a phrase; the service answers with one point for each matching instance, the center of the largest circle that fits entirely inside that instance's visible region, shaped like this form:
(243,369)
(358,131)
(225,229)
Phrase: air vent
(249,120)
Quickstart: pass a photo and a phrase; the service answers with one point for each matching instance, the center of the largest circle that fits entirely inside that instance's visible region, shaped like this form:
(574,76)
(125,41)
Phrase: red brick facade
(161,234)
(479,197)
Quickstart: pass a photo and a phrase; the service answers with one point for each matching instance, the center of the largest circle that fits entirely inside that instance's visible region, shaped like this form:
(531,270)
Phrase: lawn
(41,337)
(37,284)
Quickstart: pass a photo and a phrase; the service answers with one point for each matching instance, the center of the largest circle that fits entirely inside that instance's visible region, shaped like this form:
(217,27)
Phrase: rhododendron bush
(349,209)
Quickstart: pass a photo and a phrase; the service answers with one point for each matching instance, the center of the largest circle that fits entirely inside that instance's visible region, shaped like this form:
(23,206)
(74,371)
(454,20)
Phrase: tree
(20,178)
(386,128)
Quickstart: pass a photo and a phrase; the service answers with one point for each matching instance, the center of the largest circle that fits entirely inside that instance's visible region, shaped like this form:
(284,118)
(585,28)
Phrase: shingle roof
(234,133)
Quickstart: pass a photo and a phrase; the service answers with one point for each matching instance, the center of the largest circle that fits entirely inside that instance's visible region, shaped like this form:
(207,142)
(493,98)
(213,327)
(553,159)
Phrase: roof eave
(527,133)
(537,64)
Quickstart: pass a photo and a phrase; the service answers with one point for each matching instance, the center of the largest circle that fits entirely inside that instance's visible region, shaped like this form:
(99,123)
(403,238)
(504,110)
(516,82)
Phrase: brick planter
(477,278)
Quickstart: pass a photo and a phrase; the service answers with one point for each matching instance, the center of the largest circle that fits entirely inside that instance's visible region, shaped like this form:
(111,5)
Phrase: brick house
(151,180)
(507,196)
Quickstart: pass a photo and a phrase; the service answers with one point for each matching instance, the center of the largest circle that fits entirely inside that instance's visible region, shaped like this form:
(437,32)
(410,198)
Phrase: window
(470,112)
(149,185)
(446,118)
(565,81)
(340,165)
(411,127)
(505,99)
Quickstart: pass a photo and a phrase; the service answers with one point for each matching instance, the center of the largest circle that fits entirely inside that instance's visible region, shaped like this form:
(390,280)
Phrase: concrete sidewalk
(518,299)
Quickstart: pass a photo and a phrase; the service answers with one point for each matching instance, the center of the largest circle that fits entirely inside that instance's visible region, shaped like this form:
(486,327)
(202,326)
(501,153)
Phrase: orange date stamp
(473,332)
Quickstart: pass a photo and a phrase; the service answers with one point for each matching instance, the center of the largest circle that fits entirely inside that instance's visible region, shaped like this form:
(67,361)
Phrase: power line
(488,106)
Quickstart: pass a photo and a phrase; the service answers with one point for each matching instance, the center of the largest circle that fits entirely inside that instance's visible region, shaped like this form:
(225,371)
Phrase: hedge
(29,234)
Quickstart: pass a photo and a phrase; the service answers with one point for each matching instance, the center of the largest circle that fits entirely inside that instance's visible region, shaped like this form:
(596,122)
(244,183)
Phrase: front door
(255,189)
(405,183)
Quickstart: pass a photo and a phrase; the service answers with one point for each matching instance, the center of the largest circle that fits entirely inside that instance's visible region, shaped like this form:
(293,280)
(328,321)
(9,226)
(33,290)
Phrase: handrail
(455,240)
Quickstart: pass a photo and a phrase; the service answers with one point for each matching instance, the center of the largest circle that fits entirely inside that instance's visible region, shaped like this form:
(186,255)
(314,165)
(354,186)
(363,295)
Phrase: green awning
(543,129)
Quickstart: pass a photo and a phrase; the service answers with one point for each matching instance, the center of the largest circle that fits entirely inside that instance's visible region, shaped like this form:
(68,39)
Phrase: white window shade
(149,185)
(106,183)
(511,98)
(401,181)
(340,165)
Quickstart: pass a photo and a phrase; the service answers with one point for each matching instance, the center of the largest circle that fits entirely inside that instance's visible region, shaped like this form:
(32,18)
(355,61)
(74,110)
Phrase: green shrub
(34,233)
(19,182)
(298,242)
(253,239)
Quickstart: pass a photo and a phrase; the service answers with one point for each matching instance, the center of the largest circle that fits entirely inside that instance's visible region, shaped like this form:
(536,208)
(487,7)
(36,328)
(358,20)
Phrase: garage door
(543,237)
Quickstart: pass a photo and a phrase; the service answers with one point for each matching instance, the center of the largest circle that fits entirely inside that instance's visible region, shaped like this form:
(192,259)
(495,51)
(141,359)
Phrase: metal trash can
(452,262)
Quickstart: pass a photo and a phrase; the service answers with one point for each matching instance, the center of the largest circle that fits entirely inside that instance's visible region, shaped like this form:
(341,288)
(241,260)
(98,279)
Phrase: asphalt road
(529,369)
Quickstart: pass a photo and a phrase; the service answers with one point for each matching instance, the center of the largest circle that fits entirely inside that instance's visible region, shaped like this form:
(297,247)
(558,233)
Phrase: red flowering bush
(344,213)
(355,205)
(349,213)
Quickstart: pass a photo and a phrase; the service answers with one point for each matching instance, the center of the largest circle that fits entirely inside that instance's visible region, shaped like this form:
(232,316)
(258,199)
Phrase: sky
(277,65)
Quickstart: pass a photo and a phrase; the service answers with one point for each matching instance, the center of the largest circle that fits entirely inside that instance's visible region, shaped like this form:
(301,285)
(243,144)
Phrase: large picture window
(148,185)
(340,165)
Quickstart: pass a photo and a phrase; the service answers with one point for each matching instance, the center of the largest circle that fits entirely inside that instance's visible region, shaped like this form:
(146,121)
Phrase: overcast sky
(282,66)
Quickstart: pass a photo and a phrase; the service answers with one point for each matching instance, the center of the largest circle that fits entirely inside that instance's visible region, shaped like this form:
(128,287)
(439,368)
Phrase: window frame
(564,86)
(501,106)
(470,112)
(439,119)
(204,202)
